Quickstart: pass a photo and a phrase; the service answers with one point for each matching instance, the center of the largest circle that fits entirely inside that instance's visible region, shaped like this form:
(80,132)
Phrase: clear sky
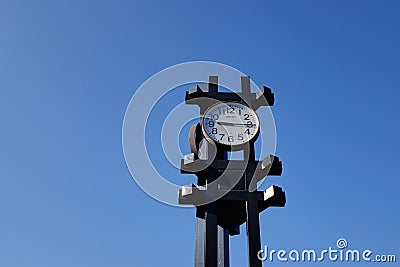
(69,68)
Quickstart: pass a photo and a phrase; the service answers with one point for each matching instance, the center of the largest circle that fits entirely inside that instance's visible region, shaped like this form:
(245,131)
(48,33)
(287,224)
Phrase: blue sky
(69,68)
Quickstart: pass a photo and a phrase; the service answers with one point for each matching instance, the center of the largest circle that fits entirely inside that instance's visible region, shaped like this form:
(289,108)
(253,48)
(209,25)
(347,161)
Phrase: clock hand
(232,124)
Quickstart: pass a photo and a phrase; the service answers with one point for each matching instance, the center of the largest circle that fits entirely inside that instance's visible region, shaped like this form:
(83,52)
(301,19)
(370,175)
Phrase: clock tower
(226,193)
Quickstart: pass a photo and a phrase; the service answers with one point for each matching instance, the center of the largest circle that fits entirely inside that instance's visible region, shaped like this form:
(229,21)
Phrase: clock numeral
(230,110)
(214,130)
(247,131)
(240,137)
(222,136)
(215,116)
(249,124)
(246,117)
(211,124)
(230,138)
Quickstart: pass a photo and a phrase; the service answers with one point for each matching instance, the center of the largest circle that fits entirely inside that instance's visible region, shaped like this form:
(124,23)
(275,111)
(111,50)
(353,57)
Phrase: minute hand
(233,124)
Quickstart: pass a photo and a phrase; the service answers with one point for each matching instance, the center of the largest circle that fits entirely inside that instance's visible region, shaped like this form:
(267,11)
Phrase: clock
(230,123)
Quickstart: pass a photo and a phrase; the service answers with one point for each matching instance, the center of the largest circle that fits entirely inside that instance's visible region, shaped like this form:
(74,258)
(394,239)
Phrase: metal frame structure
(219,217)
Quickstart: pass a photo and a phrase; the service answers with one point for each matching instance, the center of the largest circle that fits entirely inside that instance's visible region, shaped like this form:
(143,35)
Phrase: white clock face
(230,123)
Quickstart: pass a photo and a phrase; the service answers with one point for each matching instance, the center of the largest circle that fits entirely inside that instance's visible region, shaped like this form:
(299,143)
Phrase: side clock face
(230,123)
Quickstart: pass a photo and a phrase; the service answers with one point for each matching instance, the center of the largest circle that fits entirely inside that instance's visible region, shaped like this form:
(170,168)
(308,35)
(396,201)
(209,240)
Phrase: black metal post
(253,231)
(211,238)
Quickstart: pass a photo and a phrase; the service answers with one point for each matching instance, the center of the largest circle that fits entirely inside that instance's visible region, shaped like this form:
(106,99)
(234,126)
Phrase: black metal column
(253,231)
(200,245)
(211,236)
(252,211)
(223,247)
